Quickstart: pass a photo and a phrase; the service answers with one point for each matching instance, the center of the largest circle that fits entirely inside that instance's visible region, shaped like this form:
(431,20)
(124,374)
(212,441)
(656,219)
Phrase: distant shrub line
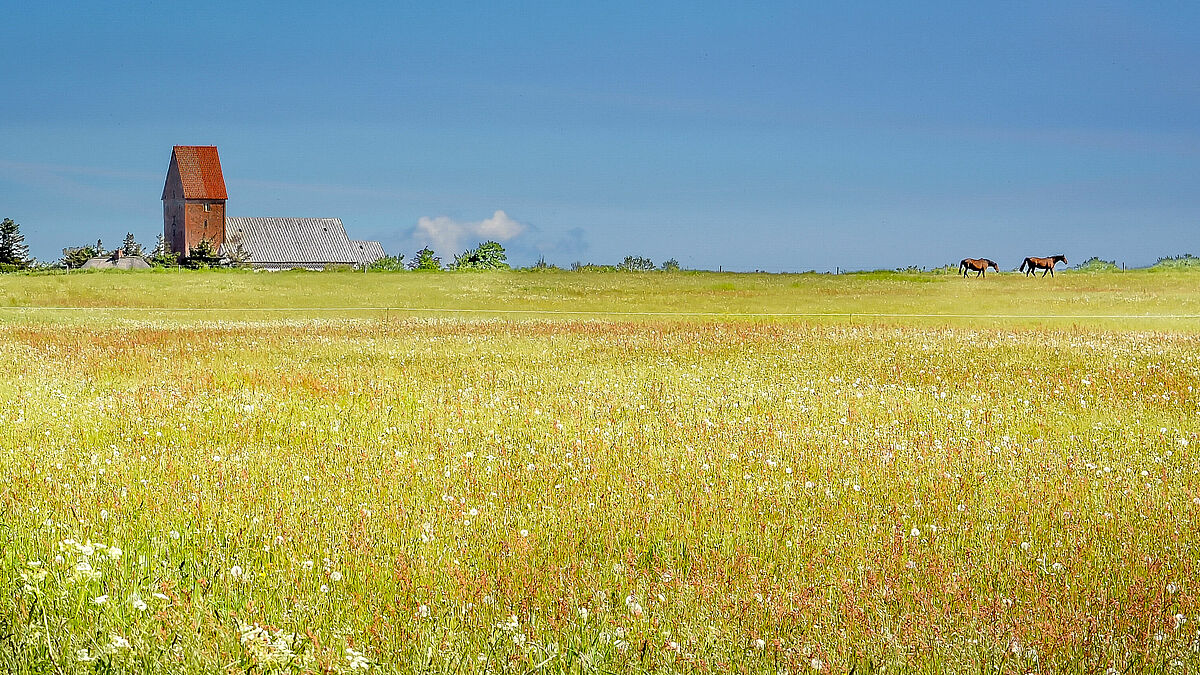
(489,255)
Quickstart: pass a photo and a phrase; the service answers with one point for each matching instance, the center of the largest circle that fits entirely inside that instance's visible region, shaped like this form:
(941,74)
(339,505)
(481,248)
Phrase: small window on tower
(207,206)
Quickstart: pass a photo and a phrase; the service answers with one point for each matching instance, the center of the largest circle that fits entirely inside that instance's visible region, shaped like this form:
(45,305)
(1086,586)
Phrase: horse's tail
(961,265)
(1023,264)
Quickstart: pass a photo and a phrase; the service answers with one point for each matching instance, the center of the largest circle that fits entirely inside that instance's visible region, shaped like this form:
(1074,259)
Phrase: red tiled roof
(200,172)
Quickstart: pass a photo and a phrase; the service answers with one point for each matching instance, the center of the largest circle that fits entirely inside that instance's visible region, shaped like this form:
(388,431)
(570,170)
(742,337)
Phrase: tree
(202,255)
(75,256)
(541,264)
(99,249)
(388,263)
(487,256)
(636,263)
(131,247)
(425,260)
(13,251)
(239,256)
(162,255)
(671,265)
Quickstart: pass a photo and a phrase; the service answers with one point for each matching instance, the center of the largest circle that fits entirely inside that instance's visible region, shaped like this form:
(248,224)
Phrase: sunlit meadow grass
(401,494)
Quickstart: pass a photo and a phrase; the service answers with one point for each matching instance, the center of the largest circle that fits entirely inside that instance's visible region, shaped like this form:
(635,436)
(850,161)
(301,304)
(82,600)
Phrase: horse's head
(993,265)
(1063,258)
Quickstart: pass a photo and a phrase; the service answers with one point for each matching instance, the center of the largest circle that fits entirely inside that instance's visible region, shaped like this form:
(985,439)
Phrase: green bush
(636,263)
(388,263)
(425,260)
(1095,264)
(489,255)
(1173,262)
(541,266)
(75,256)
(202,256)
(591,267)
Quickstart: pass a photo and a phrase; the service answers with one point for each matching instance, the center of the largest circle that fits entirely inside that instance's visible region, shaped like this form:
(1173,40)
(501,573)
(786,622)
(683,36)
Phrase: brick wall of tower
(186,223)
(202,225)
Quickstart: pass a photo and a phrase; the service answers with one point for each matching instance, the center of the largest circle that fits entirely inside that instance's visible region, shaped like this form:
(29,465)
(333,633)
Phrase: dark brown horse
(979,265)
(1031,265)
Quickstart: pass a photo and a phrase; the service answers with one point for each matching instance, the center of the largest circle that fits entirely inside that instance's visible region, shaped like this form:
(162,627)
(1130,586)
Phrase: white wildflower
(357,660)
(634,607)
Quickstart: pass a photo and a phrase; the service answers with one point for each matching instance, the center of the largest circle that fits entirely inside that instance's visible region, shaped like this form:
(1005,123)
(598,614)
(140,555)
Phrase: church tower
(194,199)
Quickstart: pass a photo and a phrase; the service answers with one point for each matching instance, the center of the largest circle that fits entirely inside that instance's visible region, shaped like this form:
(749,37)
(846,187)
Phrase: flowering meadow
(464,495)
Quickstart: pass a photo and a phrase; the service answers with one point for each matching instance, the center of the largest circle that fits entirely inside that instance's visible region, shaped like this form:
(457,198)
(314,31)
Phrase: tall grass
(596,496)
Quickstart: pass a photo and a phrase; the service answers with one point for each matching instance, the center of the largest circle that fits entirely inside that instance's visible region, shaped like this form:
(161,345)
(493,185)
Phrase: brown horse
(979,265)
(1034,264)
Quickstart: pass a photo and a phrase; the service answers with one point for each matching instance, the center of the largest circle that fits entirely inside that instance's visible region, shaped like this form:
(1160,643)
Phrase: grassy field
(695,295)
(266,486)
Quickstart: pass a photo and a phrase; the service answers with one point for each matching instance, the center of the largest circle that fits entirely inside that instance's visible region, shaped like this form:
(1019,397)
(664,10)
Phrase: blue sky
(782,137)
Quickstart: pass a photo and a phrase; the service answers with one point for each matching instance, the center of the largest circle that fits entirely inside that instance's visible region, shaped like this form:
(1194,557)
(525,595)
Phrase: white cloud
(500,227)
(448,236)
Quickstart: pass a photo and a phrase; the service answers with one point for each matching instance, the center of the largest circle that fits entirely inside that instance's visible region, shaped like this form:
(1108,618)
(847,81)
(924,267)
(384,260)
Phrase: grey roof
(125,262)
(288,242)
(368,251)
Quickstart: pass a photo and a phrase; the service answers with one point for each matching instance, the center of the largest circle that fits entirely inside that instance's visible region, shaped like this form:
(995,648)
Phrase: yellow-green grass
(998,300)
(667,494)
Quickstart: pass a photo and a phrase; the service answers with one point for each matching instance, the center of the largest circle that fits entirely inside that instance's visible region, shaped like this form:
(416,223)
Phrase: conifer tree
(13,250)
(131,247)
(162,255)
